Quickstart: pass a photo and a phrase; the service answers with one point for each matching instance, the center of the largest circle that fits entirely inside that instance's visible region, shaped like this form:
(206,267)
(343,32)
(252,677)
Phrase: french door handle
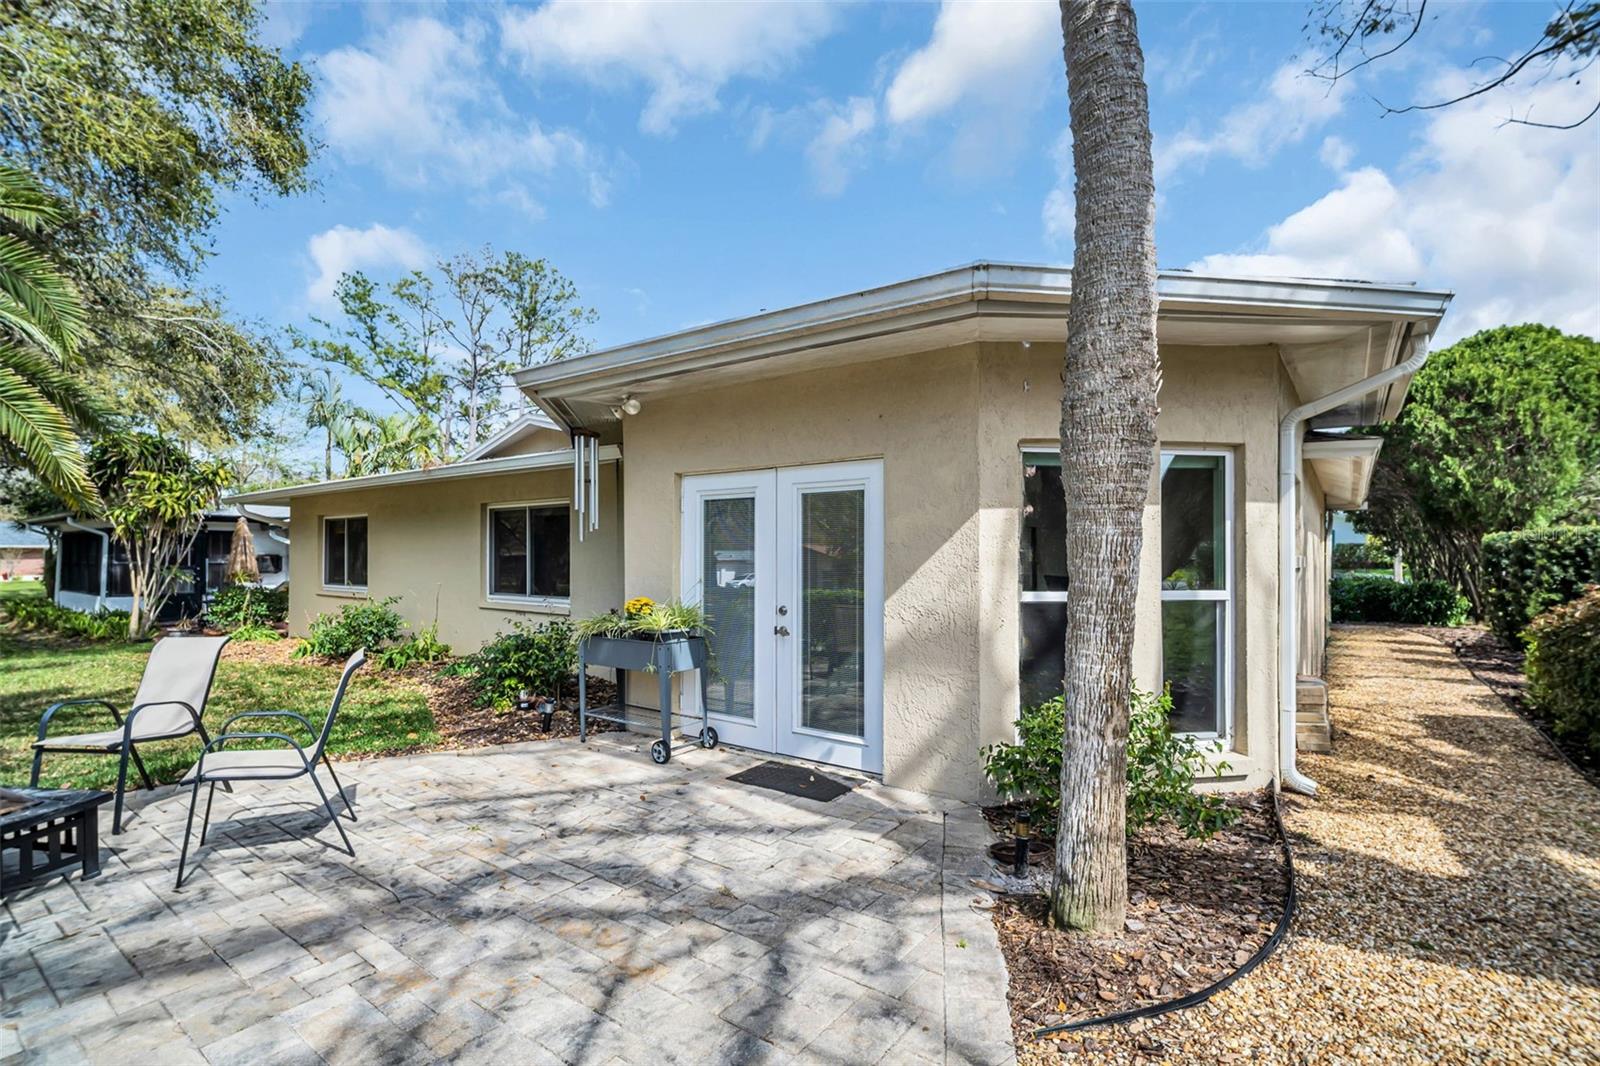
(781,631)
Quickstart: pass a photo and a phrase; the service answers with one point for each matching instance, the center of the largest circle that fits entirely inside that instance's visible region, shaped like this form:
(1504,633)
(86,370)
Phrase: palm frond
(25,202)
(68,391)
(39,431)
(40,301)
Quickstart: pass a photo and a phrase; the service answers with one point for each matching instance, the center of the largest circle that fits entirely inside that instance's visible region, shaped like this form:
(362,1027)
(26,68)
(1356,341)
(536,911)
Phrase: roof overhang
(526,424)
(1331,333)
(273,516)
(511,464)
(1344,468)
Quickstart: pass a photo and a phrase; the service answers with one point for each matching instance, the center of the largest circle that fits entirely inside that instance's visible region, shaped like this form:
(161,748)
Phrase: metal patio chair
(170,703)
(217,766)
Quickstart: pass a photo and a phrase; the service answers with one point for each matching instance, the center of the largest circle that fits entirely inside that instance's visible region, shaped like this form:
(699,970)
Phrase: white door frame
(778,557)
(759,485)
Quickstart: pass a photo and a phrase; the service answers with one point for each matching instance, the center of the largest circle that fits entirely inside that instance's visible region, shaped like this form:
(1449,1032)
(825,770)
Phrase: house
(21,552)
(865,494)
(91,568)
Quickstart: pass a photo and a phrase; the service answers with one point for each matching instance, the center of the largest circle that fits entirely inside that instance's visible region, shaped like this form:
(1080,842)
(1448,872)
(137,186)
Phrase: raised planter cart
(671,654)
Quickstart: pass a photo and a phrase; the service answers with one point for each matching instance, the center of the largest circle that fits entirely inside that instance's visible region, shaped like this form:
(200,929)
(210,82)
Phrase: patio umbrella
(242,554)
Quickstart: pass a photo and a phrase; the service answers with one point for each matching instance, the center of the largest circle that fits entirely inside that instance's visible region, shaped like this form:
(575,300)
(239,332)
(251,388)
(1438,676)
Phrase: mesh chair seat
(249,765)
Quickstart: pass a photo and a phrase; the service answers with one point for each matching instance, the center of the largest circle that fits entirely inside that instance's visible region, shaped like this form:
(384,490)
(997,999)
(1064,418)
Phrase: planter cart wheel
(708,737)
(660,752)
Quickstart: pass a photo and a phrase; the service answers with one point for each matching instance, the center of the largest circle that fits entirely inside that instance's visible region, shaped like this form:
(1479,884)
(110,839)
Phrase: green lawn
(381,712)
(18,590)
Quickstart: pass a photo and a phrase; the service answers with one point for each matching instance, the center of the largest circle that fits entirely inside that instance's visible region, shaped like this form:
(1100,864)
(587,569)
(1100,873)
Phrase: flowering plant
(639,605)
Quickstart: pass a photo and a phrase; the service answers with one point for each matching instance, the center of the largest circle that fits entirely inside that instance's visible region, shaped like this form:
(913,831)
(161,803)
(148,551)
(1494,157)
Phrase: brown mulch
(1499,666)
(1197,911)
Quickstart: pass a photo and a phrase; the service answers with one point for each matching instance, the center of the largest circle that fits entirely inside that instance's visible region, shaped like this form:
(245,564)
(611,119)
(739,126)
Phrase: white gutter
(105,560)
(1290,431)
(272,530)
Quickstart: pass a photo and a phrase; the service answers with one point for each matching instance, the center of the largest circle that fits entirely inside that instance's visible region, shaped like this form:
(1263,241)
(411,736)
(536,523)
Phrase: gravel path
(1449,878)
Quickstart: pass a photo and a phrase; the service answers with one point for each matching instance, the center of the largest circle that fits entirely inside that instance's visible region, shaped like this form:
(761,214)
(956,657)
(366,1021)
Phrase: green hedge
(1564,669)
(1369,554)
(1527,572)
(1359,598)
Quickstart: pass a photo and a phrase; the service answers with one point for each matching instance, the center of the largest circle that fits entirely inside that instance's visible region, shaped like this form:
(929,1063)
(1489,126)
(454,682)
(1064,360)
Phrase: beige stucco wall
(426,545)
(949,426)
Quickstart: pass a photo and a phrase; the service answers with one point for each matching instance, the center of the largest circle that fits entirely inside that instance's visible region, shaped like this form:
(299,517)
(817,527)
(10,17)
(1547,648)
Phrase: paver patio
(533,903)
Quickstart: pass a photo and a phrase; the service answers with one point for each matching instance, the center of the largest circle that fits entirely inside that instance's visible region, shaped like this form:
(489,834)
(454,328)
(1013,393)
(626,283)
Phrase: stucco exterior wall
(426,544)
(949,426)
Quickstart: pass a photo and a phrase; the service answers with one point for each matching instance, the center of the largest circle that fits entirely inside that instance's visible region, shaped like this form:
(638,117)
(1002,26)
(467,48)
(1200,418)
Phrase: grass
(381,712)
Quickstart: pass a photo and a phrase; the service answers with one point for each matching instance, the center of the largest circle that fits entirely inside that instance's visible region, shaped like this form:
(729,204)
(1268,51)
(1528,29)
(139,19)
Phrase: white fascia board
(936,297)
(1354,448)
(528,420)
(511,464)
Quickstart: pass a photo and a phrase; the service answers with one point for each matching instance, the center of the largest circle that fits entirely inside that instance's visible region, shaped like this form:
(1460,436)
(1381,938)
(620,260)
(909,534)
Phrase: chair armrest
(50,712)
(218,741)
(133,711)
(269,714)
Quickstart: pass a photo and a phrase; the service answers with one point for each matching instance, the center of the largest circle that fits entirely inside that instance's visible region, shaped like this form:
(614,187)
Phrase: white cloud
(1290,107)
(417,102)
(684,52)
(1503,214)
(978,50)
(339,250)
(837,150)
(1060,208)
(1336,153)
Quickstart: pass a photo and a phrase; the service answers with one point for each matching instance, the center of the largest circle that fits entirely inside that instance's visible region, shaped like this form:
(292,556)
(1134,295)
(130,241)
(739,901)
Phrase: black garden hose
(1194,999)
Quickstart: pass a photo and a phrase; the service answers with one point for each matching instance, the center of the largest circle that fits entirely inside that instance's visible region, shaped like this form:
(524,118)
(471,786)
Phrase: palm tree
(378,444)
(1108,446)
(42,321)
(326,406)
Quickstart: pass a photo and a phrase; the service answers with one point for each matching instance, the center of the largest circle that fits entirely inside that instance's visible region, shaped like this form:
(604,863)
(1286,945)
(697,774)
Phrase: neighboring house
(92,568)
(866,495)
(21,552)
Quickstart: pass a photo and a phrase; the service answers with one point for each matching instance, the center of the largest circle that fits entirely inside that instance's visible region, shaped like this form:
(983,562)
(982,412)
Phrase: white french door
(789,567)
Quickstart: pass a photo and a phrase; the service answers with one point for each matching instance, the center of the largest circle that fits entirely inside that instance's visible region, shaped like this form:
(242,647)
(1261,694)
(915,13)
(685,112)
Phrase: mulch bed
(1197,911)
(1499,666)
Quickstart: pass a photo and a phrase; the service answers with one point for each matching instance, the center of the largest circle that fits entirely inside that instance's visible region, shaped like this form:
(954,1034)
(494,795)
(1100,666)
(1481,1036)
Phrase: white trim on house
(511,464)
(529,421)
(1227,595)
(1344,467)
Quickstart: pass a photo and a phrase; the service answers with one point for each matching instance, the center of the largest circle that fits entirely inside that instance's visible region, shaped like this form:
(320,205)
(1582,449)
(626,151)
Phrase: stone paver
(534,903)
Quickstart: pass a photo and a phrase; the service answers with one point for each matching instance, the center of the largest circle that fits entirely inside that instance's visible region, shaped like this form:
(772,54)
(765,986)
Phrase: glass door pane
(832,611)
(728,578)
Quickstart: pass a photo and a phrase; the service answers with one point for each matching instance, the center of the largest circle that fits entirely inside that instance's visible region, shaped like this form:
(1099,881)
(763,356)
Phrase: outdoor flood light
(630,405)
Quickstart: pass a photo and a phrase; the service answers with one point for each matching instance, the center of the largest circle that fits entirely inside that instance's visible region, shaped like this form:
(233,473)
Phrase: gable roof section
(527,423)
(1331,332)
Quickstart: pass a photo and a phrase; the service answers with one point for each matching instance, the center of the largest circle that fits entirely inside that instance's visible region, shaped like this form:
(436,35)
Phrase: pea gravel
(1449,877)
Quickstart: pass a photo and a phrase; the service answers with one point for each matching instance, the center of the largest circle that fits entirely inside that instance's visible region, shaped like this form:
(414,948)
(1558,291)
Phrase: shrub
(371,624)
(1564,669)
(536,658)
(244,605)
(425,647)
(1369,554)
(1527,572)
(1162,769)
(1362,598)
(256,632)
(45,615)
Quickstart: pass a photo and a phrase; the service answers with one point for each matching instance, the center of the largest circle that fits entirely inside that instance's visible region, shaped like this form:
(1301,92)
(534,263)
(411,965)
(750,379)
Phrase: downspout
(1290,430)
(105,560)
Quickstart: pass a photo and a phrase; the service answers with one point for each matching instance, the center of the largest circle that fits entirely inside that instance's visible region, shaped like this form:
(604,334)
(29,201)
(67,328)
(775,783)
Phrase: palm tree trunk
(1108,444)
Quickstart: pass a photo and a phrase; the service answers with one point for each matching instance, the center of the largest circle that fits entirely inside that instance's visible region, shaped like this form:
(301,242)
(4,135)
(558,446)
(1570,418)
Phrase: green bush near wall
(1369,554)
(1527,572)
(1564,669)
(1360,598)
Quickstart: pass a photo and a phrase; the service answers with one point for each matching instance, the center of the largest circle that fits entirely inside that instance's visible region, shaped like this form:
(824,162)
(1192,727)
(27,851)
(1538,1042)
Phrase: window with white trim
(530,552)
(1197,589)
(1043,576)
(344,552)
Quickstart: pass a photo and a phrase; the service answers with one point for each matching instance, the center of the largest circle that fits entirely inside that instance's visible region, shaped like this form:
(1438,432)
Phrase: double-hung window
(1043,573)
(1197,589)
(344,552)
(530,552)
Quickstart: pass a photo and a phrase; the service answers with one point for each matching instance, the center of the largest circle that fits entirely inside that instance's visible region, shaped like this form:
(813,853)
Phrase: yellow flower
(637,606)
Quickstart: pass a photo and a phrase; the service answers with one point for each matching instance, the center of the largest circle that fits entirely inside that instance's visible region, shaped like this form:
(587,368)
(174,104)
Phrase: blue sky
(685,163)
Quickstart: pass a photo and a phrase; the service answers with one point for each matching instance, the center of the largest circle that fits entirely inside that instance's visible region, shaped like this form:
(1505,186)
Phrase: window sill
(352,592)
(528,604)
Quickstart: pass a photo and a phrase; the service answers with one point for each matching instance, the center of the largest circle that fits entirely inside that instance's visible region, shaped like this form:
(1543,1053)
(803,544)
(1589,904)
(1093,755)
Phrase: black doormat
(792,780)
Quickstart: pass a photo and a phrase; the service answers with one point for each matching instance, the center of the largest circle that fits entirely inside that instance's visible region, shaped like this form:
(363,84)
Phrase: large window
(530,551)
(80,563)
(344,552)
(1197,589)
(1043,566)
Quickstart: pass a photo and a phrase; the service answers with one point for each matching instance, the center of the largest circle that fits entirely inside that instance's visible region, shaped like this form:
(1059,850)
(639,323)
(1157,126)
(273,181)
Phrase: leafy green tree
(156,496)
(441,345)
(43,402)
(1500,432)
(377,444)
